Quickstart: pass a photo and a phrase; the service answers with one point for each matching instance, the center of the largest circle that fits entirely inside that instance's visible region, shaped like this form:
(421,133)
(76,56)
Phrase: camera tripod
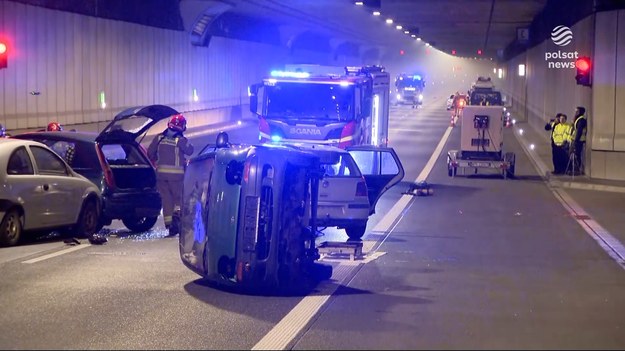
(574,166)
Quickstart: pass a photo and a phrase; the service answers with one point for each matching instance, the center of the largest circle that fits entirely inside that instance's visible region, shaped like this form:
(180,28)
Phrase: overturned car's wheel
(356,232)
(139,224)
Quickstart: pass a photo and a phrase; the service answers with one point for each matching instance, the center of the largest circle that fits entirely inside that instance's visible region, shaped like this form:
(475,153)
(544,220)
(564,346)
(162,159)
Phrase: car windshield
(296,101)
(492,98)
(414,82)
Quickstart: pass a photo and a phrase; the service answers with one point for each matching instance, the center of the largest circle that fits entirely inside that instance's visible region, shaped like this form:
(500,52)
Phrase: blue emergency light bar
(288,74)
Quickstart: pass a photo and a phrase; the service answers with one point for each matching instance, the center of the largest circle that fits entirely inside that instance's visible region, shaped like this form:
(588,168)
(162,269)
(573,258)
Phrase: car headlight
(420,97)
(398,96)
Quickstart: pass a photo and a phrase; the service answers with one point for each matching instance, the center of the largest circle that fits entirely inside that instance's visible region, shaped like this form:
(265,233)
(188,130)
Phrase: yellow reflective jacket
(561,134)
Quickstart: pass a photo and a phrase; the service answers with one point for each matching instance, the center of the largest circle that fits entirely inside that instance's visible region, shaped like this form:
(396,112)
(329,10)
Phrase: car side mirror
(253,93)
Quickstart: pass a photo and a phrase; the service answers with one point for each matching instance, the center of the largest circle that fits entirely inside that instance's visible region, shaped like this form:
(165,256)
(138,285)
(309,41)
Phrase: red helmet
(54,127)
(177,123)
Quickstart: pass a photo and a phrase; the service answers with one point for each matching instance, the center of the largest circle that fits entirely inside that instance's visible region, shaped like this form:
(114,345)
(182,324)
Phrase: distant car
(353,181)
(116,162)
(450,102)
(39,191)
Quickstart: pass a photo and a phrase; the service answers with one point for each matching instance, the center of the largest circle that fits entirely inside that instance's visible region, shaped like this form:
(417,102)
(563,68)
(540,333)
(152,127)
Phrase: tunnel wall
(63,66)
(534,99)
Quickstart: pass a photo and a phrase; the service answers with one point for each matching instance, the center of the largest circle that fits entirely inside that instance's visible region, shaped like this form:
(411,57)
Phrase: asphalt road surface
(483,263)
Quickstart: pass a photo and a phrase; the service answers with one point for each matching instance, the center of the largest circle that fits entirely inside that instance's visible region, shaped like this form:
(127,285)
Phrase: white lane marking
(55,254)
(388,220)
(611,245)
(597,187)
(298,318)
(289,327)
(372,256)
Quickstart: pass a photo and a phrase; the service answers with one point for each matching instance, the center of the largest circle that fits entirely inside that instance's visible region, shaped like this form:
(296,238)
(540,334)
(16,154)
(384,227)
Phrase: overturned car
(245,216)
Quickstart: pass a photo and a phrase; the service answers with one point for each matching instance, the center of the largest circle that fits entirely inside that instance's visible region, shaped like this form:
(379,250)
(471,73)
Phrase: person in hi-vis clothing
(168,150)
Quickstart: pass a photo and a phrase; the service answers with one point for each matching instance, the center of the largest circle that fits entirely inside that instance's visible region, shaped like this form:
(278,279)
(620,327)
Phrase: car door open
(381,168)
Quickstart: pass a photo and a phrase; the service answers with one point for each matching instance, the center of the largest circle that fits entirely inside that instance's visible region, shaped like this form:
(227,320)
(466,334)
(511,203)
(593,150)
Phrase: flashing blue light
(287,74)
(276,138)
(416,77)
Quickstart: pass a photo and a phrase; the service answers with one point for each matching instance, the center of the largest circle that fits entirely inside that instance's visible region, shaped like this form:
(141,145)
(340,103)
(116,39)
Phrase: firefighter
(458,104)
(54,127)
(168,150)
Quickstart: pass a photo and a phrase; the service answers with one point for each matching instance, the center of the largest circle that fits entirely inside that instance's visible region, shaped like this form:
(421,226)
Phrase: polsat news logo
(561,36)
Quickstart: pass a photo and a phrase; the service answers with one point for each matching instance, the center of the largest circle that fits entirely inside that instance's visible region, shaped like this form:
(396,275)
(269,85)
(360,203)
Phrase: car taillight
(361,188)
(246,171)
(347,135)
(108,172)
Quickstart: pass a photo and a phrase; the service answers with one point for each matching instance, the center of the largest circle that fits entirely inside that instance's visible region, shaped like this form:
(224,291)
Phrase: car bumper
(341,215)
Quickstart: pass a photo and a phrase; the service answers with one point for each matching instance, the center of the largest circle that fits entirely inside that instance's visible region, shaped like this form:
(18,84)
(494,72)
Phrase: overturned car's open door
(381,168)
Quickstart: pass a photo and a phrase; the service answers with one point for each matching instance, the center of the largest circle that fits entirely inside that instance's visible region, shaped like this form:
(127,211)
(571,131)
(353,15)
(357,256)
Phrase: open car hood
(132,122)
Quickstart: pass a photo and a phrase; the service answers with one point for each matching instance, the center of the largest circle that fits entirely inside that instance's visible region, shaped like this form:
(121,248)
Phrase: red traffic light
(453,52)
(401,52)
(4,61)
(479,52)
(582,64)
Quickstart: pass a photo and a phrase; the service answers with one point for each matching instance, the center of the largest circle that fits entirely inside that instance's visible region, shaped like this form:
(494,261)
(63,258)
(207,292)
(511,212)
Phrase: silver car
(39,191)
(450,102)
(353,181)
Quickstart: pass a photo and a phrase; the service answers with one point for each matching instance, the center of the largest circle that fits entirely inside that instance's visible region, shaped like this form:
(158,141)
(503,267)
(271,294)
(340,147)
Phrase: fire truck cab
(409,89)
(342,110)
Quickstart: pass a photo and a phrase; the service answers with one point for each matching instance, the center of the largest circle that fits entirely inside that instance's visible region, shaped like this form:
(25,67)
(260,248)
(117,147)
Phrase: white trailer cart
(481,143)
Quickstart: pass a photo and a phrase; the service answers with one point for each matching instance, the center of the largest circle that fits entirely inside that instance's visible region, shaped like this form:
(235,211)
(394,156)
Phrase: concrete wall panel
(619,96)
(603,80)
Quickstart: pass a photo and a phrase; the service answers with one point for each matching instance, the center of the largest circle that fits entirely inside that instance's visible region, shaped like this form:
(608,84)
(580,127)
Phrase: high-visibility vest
(575,126)
(169,156)
(561,133)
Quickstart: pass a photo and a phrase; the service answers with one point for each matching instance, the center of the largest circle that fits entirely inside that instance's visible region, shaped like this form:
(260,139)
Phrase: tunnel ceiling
(465,26)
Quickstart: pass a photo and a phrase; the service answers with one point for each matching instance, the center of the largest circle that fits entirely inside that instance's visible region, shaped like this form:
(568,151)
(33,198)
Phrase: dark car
(117,163)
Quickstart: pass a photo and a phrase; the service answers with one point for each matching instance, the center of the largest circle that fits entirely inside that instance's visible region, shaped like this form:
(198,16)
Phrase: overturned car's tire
(356,232)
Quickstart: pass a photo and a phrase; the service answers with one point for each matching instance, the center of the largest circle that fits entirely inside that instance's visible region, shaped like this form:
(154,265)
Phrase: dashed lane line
(55,254)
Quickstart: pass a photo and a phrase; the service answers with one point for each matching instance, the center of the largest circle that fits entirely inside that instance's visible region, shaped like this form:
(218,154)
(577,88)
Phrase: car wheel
(139,224)
(356,232)
(10,229)
(88,221)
